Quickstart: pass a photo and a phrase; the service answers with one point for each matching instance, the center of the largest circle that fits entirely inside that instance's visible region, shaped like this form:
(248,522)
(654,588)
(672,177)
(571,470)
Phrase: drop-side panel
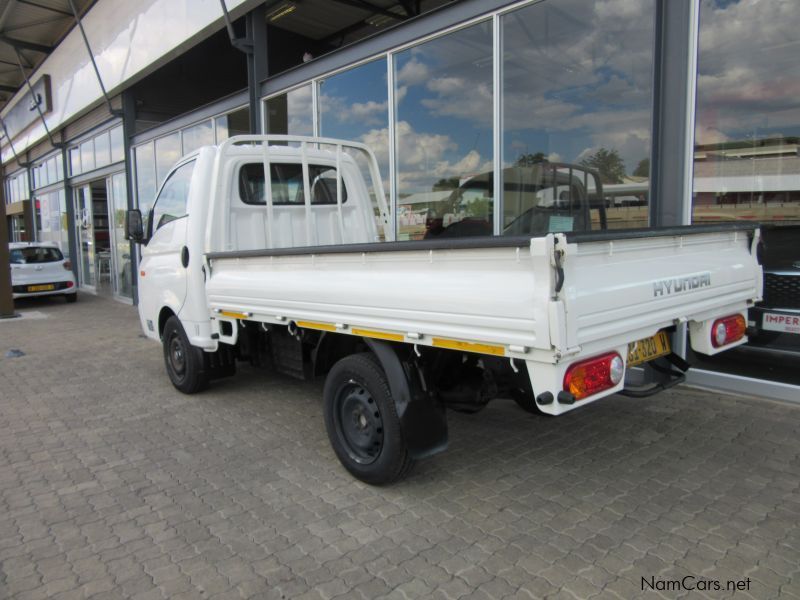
(495,295)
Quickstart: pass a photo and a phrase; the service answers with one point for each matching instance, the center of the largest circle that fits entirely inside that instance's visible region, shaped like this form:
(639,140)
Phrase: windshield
(30,256)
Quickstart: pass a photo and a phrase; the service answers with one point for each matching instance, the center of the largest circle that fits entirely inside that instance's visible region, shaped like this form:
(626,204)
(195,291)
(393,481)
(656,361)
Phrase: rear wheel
(362,422)
(185,363)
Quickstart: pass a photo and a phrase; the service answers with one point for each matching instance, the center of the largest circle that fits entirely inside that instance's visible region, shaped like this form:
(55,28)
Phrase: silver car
(40,269)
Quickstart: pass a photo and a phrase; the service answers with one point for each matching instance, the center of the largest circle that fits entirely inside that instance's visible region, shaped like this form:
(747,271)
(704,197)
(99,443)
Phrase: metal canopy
(29,31)
(335,23)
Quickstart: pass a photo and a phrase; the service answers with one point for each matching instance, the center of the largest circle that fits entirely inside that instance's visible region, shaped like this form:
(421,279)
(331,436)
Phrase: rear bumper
(60,288)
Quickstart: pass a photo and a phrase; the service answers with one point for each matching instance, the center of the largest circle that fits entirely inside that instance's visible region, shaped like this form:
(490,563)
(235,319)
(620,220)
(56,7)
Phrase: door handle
(185,257)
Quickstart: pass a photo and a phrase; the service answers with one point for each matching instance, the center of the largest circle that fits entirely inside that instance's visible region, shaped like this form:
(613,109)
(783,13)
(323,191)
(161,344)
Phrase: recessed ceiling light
(281,11)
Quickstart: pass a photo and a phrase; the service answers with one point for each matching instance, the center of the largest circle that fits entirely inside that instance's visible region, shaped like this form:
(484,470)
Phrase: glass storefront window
(444,141)
(234,123)
(102,150)
(354,105)
(117,144)
(74,161)
(52,219)
(577,89)
(168,151)
(87,156)
(198,135)
(122,247)
(747,165)
(145,163)
(291,113)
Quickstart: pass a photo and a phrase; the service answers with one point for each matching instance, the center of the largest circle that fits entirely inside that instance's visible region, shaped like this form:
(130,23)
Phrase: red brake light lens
(728,330)
(589,377)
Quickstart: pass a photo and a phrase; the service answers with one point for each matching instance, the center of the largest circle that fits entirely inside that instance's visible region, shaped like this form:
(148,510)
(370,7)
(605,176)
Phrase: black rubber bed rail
(652,232)
(479,242)
(465,243)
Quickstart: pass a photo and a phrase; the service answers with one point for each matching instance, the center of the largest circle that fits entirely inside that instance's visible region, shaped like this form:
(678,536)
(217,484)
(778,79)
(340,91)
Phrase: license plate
(648,349)
(781,322)
(41,288)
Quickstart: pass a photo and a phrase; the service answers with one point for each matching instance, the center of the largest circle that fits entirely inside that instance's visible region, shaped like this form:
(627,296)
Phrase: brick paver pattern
(115,485)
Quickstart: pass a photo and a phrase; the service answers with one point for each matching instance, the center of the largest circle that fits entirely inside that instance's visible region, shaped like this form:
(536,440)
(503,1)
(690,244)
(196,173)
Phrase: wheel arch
(165,313)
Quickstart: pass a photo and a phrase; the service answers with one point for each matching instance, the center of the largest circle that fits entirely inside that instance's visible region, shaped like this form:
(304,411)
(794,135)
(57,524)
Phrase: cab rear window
(31,256)
(287,184)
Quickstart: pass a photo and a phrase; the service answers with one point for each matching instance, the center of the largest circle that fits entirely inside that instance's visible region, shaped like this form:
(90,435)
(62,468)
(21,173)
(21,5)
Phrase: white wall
(130,39)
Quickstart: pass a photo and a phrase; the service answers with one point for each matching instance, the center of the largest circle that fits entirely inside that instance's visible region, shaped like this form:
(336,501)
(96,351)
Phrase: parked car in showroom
(40,269)
(775,322)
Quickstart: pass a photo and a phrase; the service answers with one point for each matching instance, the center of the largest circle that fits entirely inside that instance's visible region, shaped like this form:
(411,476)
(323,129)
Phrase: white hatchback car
(40,269)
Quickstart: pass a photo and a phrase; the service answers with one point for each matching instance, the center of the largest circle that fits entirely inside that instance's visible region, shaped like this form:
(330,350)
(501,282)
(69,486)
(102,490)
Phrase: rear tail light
(67,265)
(69,284)
(728,330)
(589,377)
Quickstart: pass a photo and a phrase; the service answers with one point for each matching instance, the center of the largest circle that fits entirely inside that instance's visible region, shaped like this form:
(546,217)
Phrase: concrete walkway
(114,485)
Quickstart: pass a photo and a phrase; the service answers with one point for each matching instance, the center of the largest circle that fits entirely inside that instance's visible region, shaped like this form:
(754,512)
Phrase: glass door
(120,247)
(84,235)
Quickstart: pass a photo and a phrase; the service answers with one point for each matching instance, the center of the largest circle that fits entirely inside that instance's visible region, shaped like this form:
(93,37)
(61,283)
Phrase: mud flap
(422,419)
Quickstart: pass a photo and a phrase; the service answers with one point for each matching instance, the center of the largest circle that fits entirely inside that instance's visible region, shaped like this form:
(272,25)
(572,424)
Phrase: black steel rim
(358,422)
(177,355)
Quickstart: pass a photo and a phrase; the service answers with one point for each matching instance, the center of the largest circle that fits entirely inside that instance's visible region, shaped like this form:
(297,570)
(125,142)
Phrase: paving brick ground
(114,485)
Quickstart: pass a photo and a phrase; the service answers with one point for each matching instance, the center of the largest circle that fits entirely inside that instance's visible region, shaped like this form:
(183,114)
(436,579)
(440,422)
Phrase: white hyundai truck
(280,251)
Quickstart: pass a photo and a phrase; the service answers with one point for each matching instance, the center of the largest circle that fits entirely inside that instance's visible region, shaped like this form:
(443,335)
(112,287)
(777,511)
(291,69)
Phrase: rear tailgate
(619,287)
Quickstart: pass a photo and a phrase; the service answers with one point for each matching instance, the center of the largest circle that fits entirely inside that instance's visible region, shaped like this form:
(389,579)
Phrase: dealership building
(688,109)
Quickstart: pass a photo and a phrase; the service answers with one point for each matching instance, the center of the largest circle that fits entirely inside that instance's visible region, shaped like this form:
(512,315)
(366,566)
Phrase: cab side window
(172,202)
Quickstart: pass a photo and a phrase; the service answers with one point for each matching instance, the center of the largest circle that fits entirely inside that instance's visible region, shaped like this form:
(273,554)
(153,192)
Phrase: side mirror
(134,230)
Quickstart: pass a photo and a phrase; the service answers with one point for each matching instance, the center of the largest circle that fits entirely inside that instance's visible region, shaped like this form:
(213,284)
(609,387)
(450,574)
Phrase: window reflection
(168,151)
(291,113)
(577,88)
(747,166)
(354,105)
(234,123)
(52,219)
(443,93)
(144,156)
(198,135)
(102,150)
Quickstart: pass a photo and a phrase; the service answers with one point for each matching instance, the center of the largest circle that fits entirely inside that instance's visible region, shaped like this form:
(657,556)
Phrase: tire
(71,297)
(362,423)
(185,363)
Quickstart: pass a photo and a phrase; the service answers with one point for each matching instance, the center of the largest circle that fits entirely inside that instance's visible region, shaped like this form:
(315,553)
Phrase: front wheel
(362,422)
(185,363)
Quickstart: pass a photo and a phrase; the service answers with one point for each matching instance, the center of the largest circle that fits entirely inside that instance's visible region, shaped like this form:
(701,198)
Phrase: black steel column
(6,299)
(672,154)
(128,131)
(257,68)
(71,225)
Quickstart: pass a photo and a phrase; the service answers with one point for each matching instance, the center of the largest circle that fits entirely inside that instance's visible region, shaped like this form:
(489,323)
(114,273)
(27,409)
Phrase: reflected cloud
(747,83)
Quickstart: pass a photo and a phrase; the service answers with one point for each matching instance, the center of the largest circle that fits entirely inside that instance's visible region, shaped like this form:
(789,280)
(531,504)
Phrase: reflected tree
(528,160)
(608,163)
(643,168)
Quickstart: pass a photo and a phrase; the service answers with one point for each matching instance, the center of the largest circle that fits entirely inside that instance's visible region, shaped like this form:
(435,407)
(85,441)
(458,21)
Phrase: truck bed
(502,291)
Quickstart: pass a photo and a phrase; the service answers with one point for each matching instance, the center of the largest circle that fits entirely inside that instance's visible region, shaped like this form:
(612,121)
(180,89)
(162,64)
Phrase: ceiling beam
(23,45)
(364,5)
(58,11)
(8,88)
(411,7)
